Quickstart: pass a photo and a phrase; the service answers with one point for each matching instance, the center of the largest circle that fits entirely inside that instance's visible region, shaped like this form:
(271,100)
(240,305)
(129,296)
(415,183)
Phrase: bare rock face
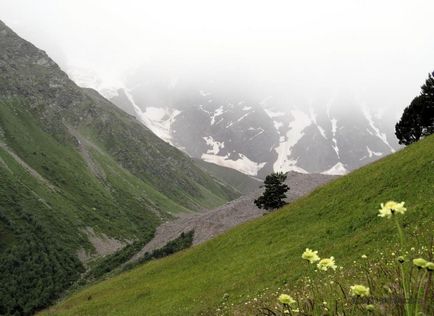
(211,223)
(103,245)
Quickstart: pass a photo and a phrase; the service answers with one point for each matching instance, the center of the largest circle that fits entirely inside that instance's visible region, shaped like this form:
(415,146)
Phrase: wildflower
(390,208)
(310,255)
(364,257)
(359,290)
(327,263)
(420,263)
(430,266)
(286,299)
(400,259)
(413,249)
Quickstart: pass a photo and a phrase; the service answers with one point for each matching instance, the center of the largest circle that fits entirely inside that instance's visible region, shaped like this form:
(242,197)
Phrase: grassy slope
(339,218)
(78,191)
(46,215)
(69,159)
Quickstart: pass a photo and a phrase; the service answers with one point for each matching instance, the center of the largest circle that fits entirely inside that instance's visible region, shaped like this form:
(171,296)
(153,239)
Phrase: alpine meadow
(230,158)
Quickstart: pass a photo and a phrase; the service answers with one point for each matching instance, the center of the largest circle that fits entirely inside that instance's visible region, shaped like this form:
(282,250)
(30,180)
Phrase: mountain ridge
(81,179)
(254,135)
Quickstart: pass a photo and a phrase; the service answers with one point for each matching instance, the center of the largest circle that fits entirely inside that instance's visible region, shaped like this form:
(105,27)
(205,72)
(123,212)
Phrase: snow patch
(243,164)
(376,130)
(313,119)
(216,113)
(338,169)
(373,153)
(273,114)
(158,120)
(334,126)
(287,142)
(242,117)
(277,125)
(215,145)
(335,142)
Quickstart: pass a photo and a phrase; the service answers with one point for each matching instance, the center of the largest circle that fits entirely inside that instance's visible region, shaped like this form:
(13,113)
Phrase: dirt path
(211,223)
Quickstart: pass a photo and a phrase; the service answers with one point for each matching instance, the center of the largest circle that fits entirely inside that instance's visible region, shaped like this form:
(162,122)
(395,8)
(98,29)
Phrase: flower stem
(418,292)
(401,268)
(400,233)
(404,286)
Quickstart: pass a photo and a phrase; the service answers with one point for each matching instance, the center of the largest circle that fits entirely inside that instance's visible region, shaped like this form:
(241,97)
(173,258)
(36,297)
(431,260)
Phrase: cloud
(379,50)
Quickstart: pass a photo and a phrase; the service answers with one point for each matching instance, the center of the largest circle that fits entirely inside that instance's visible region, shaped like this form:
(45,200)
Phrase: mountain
(253,134)
(80,179)
(230,177)
(258,258)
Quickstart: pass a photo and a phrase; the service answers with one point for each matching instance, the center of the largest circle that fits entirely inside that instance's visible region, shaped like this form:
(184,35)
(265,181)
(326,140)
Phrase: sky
(381,51)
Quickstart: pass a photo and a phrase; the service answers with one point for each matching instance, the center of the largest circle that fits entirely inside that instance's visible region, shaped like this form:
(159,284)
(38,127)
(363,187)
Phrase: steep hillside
(207,225)
(79,178)
(339,218)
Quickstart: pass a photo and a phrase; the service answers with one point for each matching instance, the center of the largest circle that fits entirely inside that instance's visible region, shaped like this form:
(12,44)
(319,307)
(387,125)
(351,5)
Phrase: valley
(216,159)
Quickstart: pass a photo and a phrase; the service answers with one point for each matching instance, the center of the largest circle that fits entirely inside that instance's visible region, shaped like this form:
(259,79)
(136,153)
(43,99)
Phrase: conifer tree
(274,194)
(417,121)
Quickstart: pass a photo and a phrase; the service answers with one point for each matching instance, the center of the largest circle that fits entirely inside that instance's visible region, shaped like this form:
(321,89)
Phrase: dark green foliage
(417,121)
(111,262)
(184,241)
(35,269)
(274,194)
(71,161)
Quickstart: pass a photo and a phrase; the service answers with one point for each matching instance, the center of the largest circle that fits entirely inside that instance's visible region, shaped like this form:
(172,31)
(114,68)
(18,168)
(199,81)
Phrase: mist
(295,51)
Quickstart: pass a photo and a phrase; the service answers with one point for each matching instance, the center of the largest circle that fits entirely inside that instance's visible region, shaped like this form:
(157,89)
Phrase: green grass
(339,219)
(71,160)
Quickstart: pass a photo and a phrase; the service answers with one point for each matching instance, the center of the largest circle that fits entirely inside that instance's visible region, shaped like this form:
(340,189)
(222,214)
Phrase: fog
(296,51)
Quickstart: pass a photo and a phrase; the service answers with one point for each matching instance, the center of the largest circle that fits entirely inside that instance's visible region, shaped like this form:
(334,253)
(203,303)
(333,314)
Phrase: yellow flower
(359,290)
(310,255)
(430,266)
(286,299)
(390,208)
(420,263)
(327,263)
